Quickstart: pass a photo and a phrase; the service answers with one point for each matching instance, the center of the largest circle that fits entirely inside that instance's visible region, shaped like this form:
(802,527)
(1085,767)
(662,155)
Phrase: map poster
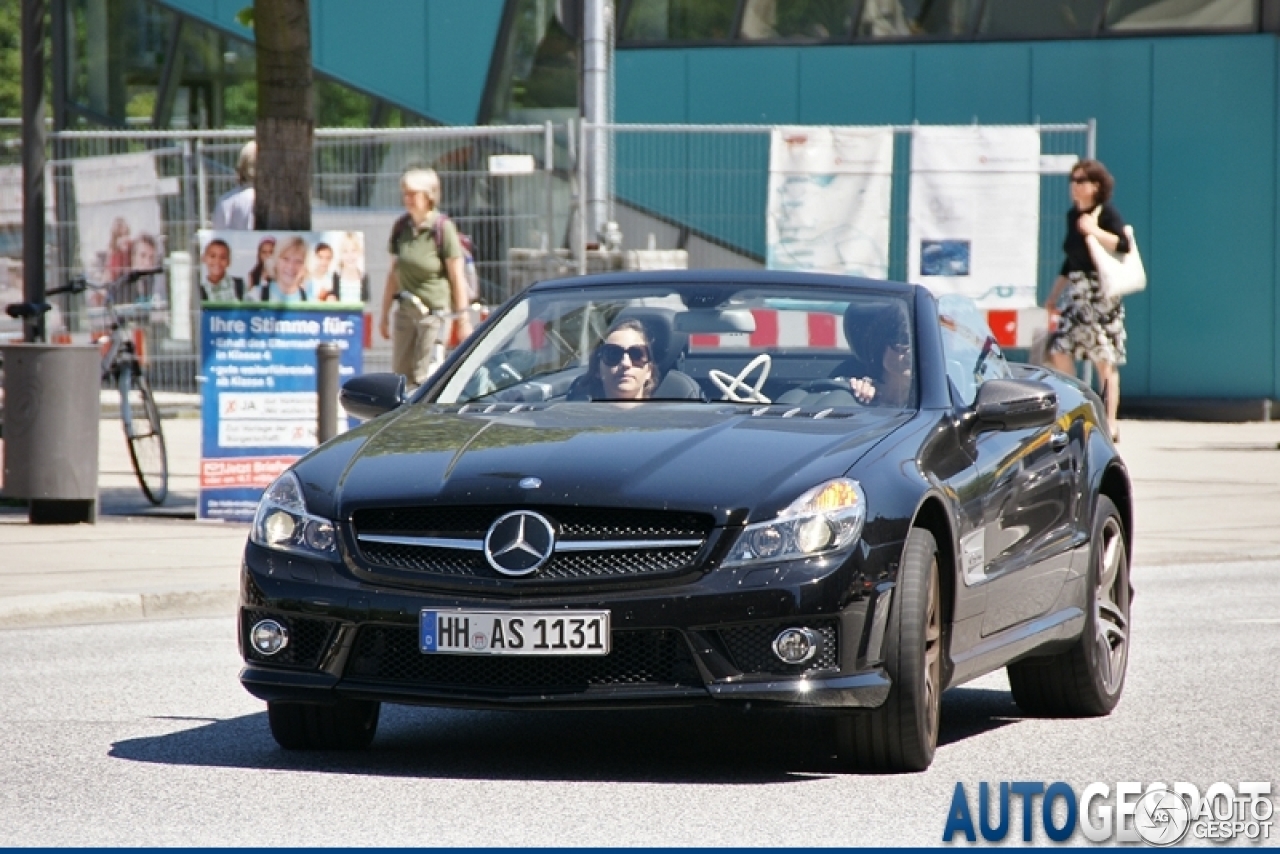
(975,213)
(259,405)
(829,200)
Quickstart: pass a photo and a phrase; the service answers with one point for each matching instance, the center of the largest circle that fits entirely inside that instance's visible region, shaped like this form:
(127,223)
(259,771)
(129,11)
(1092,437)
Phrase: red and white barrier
(1011,328)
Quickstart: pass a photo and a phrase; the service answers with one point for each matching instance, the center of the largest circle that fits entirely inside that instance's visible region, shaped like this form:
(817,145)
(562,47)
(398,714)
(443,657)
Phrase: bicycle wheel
(144,434)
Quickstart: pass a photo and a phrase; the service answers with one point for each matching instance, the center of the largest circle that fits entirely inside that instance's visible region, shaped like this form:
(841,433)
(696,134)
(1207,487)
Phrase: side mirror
(1015,405)
(372,395)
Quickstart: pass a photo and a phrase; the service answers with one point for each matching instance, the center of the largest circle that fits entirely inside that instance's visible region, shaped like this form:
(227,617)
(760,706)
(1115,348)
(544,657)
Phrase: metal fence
(514,189)
(705,188)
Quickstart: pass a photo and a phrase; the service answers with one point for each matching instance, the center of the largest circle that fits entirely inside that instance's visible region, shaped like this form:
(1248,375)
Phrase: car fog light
(795,646)
(268,637)
(279,527)
(319,535)
(813,534)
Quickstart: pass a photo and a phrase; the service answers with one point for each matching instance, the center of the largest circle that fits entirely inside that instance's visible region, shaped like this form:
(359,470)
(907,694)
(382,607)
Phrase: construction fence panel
(704,189)
(502,186)
(694,195)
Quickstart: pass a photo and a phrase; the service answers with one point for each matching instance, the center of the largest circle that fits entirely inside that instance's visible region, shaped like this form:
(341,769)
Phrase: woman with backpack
(427,280)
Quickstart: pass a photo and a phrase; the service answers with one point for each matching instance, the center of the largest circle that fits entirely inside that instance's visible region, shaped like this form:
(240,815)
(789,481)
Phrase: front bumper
(705,639)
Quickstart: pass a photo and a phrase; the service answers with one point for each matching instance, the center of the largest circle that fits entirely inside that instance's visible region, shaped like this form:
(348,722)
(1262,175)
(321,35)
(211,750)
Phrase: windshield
(813,347)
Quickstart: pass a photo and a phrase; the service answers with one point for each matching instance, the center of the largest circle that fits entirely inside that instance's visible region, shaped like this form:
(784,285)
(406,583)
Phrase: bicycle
(123,365)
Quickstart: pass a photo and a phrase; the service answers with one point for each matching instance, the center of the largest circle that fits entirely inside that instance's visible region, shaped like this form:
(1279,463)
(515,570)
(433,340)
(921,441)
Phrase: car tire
(345,725)
(902,734)
(1087,679)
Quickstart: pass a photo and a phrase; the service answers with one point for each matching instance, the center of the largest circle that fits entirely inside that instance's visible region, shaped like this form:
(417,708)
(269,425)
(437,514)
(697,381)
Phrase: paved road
(138,734)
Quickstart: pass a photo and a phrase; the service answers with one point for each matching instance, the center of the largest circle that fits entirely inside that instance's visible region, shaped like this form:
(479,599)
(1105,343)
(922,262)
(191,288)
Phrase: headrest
(669,346)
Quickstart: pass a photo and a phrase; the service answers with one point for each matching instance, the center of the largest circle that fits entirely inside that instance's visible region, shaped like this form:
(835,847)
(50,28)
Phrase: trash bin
(51,403)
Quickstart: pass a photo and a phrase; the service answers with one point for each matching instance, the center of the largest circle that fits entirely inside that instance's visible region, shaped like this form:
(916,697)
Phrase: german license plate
(515,632)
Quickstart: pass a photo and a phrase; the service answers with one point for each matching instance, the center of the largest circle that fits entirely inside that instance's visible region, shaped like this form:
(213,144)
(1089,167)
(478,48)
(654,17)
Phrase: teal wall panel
(429,56)
(958,84)
(1212,256)
(857,86)
(461,39)
(652,86)
(346,46)
(1189,126)
(757,86)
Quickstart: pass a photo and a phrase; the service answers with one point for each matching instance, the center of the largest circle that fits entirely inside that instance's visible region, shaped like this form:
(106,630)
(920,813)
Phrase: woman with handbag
(1091,326)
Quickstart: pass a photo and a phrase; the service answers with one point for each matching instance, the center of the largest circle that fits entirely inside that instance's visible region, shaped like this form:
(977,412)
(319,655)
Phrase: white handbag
(1119,273)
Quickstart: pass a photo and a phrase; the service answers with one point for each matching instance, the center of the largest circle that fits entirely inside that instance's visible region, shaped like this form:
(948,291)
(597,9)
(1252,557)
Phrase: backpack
(404,225)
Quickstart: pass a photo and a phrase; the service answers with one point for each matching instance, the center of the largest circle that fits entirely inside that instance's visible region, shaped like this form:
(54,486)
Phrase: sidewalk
(1204,493)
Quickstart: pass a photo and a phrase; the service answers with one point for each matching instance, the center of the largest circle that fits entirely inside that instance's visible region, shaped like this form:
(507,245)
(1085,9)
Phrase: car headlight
(282,521)
(825,520)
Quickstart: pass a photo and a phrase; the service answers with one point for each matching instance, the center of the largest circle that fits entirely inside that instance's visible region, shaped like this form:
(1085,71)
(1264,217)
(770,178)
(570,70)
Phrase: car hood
(733,462)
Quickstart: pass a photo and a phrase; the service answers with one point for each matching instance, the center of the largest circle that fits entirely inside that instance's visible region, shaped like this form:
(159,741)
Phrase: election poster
(975,213)
(118,217)
(829,200)
(283,267)
(259,363)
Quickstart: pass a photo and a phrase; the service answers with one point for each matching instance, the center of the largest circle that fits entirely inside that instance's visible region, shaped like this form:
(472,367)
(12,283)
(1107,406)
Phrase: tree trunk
(286,124)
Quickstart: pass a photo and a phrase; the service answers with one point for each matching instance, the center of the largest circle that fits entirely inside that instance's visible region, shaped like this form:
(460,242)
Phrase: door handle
(1058,439)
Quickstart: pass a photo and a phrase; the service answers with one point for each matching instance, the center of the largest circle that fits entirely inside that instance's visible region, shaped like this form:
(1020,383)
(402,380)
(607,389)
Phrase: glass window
(539,77)
(815,347)
(906,18)
(1023,19)
(971,351)
(679,20)
(800,19)
(1181,14)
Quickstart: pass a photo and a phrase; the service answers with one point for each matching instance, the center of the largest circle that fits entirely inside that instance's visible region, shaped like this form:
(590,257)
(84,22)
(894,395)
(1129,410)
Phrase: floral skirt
(1091,326)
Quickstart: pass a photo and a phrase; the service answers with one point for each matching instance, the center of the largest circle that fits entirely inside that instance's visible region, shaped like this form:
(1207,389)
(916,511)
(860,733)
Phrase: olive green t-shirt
(420,268)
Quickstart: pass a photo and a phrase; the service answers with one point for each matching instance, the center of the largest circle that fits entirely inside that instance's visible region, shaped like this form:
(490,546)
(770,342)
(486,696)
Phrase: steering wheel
(737,388)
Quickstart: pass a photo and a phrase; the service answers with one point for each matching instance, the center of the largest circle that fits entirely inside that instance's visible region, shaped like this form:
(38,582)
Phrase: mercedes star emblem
(519,542)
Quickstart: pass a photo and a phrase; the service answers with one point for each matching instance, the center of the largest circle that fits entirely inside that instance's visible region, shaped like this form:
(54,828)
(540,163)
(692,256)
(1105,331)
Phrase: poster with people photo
(283,267)
(119,223)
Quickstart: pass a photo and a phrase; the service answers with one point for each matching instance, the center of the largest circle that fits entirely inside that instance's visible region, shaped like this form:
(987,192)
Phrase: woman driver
(622,366)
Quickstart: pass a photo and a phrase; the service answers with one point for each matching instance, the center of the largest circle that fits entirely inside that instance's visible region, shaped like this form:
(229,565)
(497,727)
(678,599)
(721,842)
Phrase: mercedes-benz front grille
(590,543)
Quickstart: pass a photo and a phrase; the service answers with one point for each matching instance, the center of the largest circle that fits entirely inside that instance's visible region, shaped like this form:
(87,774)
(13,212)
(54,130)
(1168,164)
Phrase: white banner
(829,196)
(118,212)
(975,213)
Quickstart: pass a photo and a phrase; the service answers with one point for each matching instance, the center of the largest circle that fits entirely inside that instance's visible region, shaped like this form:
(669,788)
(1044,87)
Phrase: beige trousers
(413,339)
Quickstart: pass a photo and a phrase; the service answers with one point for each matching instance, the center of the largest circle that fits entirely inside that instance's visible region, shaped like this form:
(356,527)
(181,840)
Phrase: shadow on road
(713,746)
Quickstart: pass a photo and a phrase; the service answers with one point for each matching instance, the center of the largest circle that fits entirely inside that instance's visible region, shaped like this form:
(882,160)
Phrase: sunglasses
(1081,179)
(611,355)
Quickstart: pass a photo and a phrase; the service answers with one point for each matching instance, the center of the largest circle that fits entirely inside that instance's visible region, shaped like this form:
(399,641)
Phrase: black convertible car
(713,486)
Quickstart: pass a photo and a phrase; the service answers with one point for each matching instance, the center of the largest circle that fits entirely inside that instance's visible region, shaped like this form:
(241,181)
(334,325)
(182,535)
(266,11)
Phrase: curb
(69,608)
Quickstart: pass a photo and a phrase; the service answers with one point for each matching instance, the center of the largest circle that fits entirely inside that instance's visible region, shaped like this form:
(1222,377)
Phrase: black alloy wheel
(1087,679)
(902,734)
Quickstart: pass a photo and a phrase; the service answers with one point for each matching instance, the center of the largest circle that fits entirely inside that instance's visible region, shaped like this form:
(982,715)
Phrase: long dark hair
(595,386)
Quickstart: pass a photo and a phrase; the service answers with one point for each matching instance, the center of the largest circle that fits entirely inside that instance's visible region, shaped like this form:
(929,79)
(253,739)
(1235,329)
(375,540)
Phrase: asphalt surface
(1204,493)
(137,733)
(100,624)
